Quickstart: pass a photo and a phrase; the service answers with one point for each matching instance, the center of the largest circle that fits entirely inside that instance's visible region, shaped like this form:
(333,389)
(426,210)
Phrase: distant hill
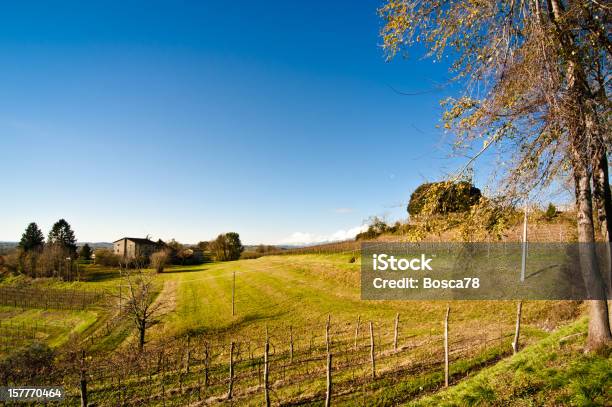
(7,246)
(97,245)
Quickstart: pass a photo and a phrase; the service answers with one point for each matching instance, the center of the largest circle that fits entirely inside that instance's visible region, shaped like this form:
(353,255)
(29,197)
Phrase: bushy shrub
(551,212)
(443,197)
(159,260)
(106,257)
(376,228)
(53,261)
(11,262)
(30,263)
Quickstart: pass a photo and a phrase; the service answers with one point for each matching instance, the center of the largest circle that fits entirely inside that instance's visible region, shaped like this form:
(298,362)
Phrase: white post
(524,257)
(517,330)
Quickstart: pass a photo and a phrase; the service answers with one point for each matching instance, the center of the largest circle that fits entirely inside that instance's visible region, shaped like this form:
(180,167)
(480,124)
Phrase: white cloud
(304,238)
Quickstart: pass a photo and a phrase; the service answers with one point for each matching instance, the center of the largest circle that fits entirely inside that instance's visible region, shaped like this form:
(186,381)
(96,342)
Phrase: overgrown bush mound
(443,197)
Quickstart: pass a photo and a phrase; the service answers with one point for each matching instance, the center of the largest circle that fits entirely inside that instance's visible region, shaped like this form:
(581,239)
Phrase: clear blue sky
(187,119)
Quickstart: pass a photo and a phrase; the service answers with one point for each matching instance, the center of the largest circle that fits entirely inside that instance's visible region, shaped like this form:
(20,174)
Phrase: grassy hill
(291,297)
(552,372)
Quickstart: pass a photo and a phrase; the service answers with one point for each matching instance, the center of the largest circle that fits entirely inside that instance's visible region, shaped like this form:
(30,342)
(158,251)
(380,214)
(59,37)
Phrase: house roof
(136,240)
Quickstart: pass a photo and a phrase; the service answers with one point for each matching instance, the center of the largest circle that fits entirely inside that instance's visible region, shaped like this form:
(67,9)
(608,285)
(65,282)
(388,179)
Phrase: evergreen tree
(61,234)
(32,238)
(85,252)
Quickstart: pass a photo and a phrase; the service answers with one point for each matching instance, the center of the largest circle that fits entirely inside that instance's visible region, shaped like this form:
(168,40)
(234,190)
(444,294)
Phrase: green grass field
(553,371)
(302,291)
(294,295)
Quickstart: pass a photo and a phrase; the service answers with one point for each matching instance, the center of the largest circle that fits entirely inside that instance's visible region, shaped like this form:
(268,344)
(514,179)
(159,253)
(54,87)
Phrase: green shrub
(551,212)
(106,257)
(445,197)
(376,228)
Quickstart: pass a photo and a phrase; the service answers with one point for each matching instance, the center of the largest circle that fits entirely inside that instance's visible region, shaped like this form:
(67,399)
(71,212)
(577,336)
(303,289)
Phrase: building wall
(144,250)
(119,248)
(129,249)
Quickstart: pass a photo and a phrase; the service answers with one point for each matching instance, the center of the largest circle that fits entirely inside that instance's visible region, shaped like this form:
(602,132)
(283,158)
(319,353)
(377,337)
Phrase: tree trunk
(585,137)
(602,200)
(141,341)
(601,192)
(599,335)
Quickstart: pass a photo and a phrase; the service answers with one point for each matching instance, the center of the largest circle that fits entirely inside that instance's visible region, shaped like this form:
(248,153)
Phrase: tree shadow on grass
(542,270)
(237,324)
(186,269)
(100,276)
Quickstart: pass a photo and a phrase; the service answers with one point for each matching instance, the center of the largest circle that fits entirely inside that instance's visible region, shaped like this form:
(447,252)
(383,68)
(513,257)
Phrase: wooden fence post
(517,331)
(395,332)
(231,372)
(327,326)
(163,379)
(290,344)
(372,357)
(206,364)
(357,330)
(329,363)
(188,353)
(234,294)
(446,346)
(266,369)
(83,381)
(329,379)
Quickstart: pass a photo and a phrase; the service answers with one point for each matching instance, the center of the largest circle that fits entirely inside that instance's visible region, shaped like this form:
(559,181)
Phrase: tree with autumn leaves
(536,75)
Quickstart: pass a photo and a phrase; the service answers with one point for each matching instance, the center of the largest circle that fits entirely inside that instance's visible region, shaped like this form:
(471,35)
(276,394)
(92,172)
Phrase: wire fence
(196,369)
(49,298)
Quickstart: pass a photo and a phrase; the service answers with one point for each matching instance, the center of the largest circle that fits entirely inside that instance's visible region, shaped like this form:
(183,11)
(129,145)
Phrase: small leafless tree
(159,260)
(139,302)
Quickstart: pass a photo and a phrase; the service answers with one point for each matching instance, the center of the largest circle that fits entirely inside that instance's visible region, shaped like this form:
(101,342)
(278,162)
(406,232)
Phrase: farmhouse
(134,247)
